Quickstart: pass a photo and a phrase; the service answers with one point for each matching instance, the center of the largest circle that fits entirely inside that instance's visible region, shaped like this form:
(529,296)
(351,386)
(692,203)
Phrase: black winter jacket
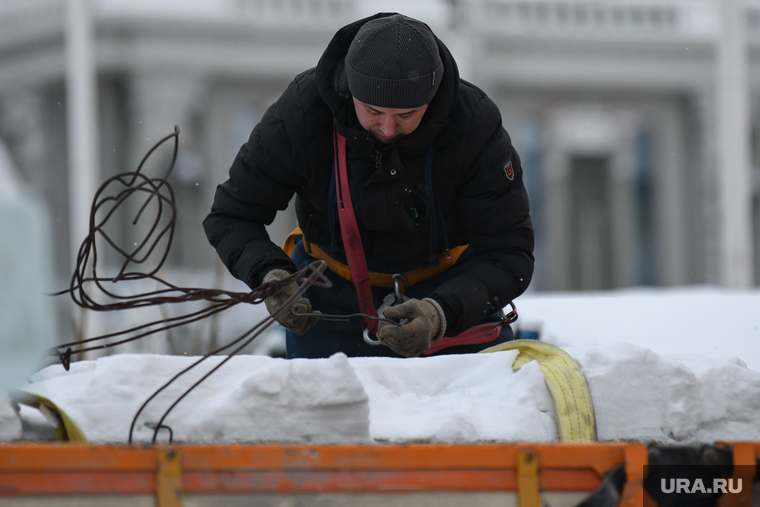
(477,187)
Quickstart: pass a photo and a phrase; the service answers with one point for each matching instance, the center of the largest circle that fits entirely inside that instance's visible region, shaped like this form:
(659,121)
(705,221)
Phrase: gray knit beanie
(394,62)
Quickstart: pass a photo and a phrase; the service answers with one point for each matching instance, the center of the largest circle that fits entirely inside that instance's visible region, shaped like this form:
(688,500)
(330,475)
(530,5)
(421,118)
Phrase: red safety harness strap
(482,333)
(352,241)
(357,263)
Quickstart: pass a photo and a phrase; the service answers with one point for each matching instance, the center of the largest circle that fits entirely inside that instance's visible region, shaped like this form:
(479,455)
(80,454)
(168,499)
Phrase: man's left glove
(297,324)
(426,322)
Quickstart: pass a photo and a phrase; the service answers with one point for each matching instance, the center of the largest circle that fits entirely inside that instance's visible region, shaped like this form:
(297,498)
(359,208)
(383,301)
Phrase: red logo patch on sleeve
(509,171)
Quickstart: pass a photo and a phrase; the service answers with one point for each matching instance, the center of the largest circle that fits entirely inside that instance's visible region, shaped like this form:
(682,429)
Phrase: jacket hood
(333,88)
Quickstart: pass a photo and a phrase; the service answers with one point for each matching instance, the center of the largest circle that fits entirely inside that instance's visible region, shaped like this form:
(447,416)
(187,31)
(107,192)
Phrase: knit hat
(394,62)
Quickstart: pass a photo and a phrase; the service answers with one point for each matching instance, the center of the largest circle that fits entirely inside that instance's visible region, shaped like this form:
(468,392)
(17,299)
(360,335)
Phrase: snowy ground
(662,366)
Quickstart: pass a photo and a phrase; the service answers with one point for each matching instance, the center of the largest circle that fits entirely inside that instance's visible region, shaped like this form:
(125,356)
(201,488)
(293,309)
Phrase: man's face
(387,124)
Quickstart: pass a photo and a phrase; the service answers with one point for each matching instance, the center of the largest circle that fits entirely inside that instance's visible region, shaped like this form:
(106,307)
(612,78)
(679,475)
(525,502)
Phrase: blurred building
(611,104)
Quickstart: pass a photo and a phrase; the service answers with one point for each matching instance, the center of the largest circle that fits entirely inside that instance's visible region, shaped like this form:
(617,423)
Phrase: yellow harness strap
(290,241)
(576,419)
(375,279)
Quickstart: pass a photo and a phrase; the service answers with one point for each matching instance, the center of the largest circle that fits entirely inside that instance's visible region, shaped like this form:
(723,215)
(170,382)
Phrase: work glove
(425,322)
(297,324)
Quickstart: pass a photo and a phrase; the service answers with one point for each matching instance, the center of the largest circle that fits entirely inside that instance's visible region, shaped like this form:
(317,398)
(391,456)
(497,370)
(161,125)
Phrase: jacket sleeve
(267,171)
(494,207)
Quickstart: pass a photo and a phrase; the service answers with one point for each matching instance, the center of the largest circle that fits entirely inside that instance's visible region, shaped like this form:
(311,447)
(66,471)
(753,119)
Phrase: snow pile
(638,395)
(261,399)
(464,398)
(249,399)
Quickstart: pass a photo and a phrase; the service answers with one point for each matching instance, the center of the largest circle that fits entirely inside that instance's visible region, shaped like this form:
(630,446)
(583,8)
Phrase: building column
(592,131)
(158,101)
(623,207)
(557,202)
(670,226)
(734,180)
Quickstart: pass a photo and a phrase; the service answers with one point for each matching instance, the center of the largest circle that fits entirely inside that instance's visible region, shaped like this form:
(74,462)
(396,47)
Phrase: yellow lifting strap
(375,279)
(576,420)
(66,430)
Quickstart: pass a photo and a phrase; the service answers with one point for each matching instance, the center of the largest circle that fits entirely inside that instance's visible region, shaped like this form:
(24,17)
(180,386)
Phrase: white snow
(640,395)
(249,399)
(665,366)
(465,398)
(10,422)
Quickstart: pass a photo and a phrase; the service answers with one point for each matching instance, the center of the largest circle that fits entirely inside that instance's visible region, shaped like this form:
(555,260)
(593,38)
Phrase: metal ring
(370,340)
(400,297)
(510,317)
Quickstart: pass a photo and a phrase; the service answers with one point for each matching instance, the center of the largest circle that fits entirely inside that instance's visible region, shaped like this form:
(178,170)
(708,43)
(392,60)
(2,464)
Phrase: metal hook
(400,297)
(388,300)
(395,298)
(368,338)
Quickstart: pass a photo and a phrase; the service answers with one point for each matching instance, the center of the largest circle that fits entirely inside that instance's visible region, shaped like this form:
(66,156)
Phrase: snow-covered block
(638,395)
(457,398)
(248,399)
(643,396)
(298,401)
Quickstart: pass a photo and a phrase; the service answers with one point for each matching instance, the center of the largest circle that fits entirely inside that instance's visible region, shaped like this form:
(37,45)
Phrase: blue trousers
(326,337)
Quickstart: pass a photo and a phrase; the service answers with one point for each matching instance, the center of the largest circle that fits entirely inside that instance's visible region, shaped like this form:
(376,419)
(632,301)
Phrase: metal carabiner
(368,338)
(388,300)
(395,298)
(400,297)
(510,317)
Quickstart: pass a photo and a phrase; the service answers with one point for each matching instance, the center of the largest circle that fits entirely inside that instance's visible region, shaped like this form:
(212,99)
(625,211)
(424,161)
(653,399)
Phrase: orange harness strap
(376,279)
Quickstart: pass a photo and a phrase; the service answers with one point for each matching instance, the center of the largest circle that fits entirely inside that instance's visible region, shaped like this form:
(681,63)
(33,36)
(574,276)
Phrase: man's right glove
(426,322)
(297,324)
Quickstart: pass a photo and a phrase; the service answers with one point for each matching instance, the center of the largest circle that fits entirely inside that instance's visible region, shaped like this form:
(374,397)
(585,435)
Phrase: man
(436,187)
